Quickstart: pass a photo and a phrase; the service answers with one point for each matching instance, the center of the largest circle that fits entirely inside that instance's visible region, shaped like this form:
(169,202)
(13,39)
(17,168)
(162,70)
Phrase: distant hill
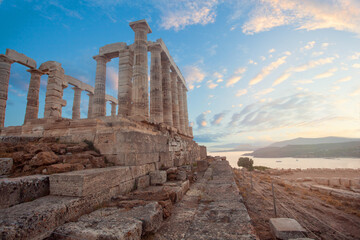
(323,150)
(309,141)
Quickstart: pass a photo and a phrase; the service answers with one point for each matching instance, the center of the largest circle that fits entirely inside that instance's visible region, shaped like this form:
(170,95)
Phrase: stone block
(355,182)
(322,181)
(286,228)
(88,182)
(203,152)
(166,160)
(157,177)
(334,182)
(345,182)
(22,189)
(202,165)
(111,48)
(143,182)
(181,175)
(6,165)
(21,58)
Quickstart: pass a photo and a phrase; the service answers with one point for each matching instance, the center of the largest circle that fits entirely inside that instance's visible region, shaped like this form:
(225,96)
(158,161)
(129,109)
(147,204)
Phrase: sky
(258,71)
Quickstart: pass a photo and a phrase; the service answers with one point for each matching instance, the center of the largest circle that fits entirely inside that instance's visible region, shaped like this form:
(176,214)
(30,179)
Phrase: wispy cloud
(179,14)
(308,46)
(282,78)
(356,65)
(193,75)
(218,118)
(355,92)
(305,14)
(267,70)
(112,77)
(233,80)
(241,92)
(326,74)
(356,56)
(264,91)
(313,64)
(201,119)
(345,79)
(211,85)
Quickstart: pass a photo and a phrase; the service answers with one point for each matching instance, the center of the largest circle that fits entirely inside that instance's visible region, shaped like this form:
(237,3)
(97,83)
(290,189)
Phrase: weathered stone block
(143,182)
(346,182)
(334,182)
(22,189)
(88,182)
(322,181)
(166,160)
(6,165)
(286,228)
(21,58)
(202,165)
(203,152)
(181,175)
(157,177)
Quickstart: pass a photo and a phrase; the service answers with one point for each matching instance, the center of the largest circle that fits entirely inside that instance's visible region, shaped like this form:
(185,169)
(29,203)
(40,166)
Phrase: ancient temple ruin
(163,113)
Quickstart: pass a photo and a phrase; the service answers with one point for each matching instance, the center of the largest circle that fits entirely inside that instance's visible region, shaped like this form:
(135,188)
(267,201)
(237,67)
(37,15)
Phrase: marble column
(181,106)
(166,88)
(186,114)
(90,107)
(99,108)
(175,100)
(32,106)
(156,94)
(113,109)
(76,103)
(140,105)
(5,66)
(54,91)
(126,61)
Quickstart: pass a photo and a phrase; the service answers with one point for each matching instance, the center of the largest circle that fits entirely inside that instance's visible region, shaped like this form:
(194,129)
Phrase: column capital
(140,25)
(77,88)
(90,94)
(101,58)
(174,75)
(35,71)
(4,58)
(154,48)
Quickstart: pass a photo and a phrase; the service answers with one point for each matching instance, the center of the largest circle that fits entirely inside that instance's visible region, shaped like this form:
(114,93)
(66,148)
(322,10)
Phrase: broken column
(186,115)
(76,103)
(166,85)
(91,99)
(32,106)
(175,100)
(126,61)
(5,66)
(181,106)
(140,75)
(54,89)
(156,94)
(113,109)
(99,103)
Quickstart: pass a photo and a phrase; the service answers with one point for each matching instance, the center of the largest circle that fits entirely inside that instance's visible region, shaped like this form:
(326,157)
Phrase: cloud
(265,91)
(193,75)
(325,45)
(343,15)
(263,58)
(355,92)
(282,78)
(241,92)
(240,70)
(317,54)
(356,65)
(217,75)
(308,46)
(233,80)
(212,49)
(211,85)
(345,79)
(326,74)
(112,77)
(313,64)
(356,56)
(267,70)
(252,62)
(179,14)
(272,50)
(304,82)
(201,119)
(218,118)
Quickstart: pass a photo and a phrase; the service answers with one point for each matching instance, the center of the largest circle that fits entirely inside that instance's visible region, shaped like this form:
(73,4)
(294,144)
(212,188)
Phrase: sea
(292,163)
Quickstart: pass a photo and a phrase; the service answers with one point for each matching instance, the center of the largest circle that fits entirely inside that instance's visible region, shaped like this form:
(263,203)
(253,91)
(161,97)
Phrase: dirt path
(324,216)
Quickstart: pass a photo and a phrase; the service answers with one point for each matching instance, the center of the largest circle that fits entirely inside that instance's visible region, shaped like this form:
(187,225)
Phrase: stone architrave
(126,61)
(90,107)
(167,98)
(54,89)
(175,100)
(156,93)
(140,74)
(99,103)
(181,106)
(76,103)
(113,109)
(186,114)
(5,66)
(32,106)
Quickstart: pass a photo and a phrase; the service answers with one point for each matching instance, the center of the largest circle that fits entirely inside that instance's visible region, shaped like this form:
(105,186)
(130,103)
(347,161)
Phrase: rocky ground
(48,156)
(323,214)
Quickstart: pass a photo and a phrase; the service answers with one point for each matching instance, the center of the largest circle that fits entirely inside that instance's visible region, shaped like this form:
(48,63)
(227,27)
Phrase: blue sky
(258,71)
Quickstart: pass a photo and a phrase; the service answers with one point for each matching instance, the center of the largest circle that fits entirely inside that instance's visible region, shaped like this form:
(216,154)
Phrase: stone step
(286,228)
(113,223)
(22,189)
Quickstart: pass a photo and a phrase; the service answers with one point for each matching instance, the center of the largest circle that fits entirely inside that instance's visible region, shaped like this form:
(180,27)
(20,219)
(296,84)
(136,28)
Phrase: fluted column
(99,108)
(90,107)
(140,75)
(113,109)
(54,91)
(32,106)
(186,114)
(5,66)
(76,103)
(175,100)
(156,94)
(181,106)
(126,61)
(166,88)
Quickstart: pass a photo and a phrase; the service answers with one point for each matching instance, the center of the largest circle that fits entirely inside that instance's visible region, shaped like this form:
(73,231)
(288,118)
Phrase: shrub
(246,163)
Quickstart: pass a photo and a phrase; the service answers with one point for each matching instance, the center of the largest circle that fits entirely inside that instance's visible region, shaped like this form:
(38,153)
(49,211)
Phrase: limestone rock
(286,228)
(6,165)
(158,177)
(43,158)
(143,182)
